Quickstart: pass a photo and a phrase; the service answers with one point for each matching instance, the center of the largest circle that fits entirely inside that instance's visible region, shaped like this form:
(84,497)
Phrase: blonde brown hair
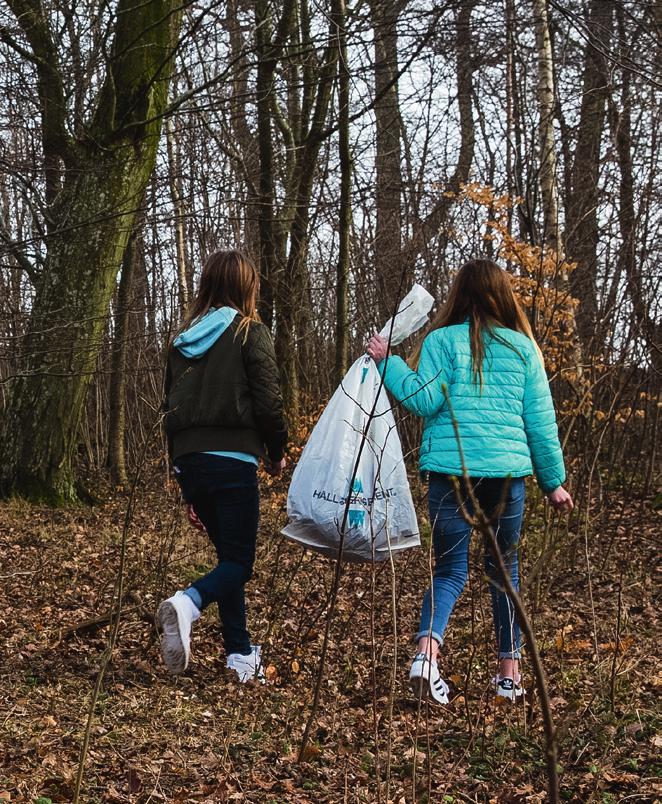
(482,294)
(228,279)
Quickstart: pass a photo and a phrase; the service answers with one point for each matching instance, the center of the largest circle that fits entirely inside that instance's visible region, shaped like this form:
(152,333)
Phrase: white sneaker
(506,687)
(248,668)
(425,680)
(174,618)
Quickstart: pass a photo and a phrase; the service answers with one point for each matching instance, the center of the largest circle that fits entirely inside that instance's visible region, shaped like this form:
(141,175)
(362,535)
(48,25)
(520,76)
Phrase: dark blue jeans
(450,538)
(224,493)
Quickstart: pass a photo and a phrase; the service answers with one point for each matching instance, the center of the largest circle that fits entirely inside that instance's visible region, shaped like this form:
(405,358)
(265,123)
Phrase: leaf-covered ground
(204,737)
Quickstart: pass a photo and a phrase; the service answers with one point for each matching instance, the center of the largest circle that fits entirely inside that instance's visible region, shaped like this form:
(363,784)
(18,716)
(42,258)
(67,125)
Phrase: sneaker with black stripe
(425,680)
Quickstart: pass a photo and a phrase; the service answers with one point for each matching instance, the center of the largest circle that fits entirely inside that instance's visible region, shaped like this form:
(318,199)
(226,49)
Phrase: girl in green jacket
(479,368)
(224,412)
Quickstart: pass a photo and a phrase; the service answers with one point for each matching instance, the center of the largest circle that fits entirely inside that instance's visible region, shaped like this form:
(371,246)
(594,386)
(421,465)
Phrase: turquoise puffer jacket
(508,429)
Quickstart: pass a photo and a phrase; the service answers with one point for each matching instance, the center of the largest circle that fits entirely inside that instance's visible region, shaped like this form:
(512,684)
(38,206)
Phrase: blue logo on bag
(356,516)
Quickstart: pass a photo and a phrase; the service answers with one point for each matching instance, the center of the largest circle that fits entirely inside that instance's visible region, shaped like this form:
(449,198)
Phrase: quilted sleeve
(264,382)
(541,429)
(421,392)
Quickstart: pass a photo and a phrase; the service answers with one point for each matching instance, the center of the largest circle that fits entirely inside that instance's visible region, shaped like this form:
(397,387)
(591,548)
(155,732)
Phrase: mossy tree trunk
(94,203)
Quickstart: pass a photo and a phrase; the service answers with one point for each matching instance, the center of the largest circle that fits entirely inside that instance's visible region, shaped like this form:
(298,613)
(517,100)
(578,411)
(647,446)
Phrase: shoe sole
(510,696)
(420,686)
(172,647)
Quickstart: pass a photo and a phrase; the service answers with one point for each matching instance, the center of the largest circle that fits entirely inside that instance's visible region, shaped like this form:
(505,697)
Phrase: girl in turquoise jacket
(480,366)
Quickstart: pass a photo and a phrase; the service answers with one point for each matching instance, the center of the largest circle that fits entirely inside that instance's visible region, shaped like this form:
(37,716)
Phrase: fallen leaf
(310,752)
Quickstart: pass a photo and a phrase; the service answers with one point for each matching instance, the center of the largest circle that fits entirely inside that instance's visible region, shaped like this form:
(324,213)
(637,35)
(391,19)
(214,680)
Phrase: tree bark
(388,192)
(175,184)
(292,282)
(345,212)
(621,126)
(517,186)
(133,257)
(93,215)
(248,146)
(546,143)
(268,52)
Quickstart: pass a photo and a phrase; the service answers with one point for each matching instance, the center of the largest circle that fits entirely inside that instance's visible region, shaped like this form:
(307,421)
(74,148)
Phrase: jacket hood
(198,339)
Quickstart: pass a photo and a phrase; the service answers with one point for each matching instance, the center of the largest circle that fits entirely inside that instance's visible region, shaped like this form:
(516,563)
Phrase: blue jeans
(225,496)
(450,538)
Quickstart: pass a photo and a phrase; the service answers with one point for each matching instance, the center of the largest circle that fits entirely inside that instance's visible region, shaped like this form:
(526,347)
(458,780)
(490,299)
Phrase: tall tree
(132,262)
(648,324)
(307,137)
(95,182)
(465,65)
(184,275)
(345,211)
(582,228)
(546,141)
(388,172)
(269,47)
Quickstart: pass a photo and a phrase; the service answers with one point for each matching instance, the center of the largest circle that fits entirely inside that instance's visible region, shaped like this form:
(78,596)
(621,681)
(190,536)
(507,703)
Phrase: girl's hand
(377,348)
(560,500)
(193,518)
(274,468)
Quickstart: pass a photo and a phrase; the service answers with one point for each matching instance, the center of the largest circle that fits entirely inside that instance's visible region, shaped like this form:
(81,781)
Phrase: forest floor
(203,737)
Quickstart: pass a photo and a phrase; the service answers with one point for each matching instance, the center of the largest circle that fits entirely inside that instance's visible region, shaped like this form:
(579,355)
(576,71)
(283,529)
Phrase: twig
(617,644)
(94,623)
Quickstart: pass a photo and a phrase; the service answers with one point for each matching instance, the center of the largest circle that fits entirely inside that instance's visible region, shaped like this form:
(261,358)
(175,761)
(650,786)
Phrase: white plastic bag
(381,516)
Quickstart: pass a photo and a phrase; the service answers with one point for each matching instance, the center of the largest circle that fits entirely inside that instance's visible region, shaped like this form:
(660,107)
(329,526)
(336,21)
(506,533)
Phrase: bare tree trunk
(268,52)
(292,287)
(116,461)
(175,182)
(388,196)
(582,226)
(621,125)
(248,146)
(517,186)
(435,222)
(546,144)
(345,216)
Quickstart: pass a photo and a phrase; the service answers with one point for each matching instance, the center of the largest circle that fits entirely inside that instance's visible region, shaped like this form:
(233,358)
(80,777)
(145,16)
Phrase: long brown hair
(482,294)
(228,279)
